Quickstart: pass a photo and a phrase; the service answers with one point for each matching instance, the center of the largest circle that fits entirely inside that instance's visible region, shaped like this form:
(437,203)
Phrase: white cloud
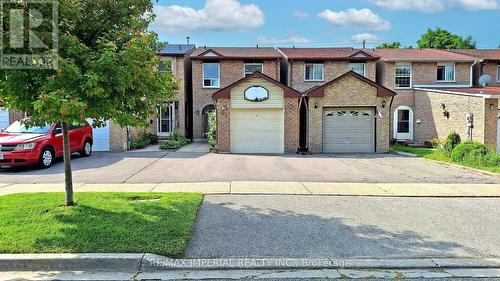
(290,38)
(216,15)
(364,36)
(363,19)
(300,14)
(475,5)
(428,6)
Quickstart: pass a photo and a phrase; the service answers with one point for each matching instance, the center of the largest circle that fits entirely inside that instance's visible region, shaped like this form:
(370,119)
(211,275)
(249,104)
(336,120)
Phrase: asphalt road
(160,167)
(346,227)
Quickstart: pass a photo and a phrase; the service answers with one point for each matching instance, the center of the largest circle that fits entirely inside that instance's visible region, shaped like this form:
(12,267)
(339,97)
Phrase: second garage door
(348,130)
(257,131)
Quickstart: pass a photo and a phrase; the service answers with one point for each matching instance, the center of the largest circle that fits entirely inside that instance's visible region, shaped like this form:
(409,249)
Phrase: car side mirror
(57,131)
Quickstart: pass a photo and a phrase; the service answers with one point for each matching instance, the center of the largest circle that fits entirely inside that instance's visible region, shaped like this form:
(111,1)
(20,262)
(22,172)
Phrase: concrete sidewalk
(277,188)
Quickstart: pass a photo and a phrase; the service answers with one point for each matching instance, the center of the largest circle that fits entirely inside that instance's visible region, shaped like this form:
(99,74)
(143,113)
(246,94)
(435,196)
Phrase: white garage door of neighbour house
(257,130)
(101,138)
(348,130)
(4,118)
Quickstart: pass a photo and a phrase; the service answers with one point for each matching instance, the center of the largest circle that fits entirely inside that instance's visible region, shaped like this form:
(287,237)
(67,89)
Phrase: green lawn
(436,154)
(159,223)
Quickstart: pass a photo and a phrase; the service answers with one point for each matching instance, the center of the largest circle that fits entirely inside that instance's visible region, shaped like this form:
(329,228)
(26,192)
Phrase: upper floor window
(211,75)
(250,68)
(359,68)
(165,65)
(446,73)
(314,72)
(402,76)
(498,72)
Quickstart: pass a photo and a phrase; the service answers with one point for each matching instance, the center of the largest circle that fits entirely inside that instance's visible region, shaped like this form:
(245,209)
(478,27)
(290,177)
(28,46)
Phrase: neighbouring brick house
(409,72)
(343,107)
(490,64)
(214,68)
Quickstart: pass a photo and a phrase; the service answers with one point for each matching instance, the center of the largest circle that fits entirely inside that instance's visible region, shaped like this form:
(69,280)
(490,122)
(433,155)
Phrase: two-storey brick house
(343,107)
(215,68)
(408,71)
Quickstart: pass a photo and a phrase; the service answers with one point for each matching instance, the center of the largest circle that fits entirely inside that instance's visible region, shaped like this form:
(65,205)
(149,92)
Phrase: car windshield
(17,127)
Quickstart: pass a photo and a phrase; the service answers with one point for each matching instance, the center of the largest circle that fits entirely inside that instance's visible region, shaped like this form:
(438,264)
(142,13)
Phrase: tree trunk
(68,177)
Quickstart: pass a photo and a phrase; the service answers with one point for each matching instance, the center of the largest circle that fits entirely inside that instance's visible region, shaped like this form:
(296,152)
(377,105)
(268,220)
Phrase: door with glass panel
(403,123)
(166,119)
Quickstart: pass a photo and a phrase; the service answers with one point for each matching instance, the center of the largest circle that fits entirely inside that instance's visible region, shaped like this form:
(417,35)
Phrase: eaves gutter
(479,95)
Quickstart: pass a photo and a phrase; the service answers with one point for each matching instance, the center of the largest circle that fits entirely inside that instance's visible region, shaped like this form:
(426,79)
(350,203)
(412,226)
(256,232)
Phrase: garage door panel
(257,131)
(101,137)
(348,130)
(4,118)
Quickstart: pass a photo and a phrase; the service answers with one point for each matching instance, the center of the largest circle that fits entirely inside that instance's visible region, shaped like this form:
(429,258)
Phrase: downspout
(472,73)
(291,74)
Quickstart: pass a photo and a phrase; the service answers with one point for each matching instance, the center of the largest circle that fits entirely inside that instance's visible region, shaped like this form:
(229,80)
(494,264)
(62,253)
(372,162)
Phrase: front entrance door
(206,126)
(403,123)
(166,119)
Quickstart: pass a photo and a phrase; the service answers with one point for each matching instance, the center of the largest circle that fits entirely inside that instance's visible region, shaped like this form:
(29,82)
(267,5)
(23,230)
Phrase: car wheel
(87,149)
(46,158)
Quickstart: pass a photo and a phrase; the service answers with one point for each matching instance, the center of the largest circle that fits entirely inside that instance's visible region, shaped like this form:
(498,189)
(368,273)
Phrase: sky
(323,23)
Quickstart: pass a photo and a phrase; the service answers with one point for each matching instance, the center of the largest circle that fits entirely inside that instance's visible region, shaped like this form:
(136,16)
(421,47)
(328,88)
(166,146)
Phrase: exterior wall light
(316,105)
(492,106)
(384,103)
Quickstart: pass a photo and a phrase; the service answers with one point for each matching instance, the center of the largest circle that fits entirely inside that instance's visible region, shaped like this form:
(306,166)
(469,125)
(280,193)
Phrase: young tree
(107,70)
(443,39)
(392,45)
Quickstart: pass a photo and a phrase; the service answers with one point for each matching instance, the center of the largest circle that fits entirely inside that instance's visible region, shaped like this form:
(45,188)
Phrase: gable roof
(236,53)
(419,55)
(176,49)
(486,54)
(226,91)
(326,54)
(320,90)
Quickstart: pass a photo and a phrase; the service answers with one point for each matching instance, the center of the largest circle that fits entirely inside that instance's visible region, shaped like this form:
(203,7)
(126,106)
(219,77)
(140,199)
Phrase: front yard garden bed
(159,223)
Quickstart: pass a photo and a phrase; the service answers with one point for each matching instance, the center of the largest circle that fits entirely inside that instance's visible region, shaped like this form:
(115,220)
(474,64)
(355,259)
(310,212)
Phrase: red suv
(21,146)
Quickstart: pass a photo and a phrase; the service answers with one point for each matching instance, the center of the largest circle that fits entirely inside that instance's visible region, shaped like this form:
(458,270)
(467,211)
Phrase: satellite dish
(485,80)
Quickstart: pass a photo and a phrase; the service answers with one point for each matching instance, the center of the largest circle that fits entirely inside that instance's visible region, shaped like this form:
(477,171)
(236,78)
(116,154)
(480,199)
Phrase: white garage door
(348,130)
(257,131)
(4,118)
(101,138)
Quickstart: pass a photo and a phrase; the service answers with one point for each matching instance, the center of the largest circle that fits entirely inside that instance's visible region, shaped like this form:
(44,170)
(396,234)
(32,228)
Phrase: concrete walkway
(277,188)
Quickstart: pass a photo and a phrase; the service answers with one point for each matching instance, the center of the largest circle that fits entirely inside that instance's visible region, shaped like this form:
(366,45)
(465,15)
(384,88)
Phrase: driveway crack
(145,167)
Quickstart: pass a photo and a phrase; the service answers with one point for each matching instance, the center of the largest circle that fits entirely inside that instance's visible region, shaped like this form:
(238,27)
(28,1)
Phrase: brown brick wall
(490,68)
(230,72)
(117,137)
(223,125)
(490,123)
(348,92)
(332,70)
(291,124)
(426,73)
(15,115)
(428,108)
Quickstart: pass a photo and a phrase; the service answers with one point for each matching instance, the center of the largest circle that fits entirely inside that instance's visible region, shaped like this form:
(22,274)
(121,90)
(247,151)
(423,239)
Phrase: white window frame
(322,72)
(411,74)
(358,63)
(445,65)
(245,66)
(203,76)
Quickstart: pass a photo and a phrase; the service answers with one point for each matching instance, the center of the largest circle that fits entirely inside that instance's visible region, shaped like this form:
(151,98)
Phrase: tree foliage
(443,39)
(107,68)
(391,45)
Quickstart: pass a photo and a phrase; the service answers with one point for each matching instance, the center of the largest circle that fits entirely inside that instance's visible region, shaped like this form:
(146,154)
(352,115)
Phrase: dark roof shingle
(491,54)
(417,55)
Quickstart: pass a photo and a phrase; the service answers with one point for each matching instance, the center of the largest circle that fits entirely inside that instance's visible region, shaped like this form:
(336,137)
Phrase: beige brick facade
(433,124)
(347,92)
(230,72)
(331,70)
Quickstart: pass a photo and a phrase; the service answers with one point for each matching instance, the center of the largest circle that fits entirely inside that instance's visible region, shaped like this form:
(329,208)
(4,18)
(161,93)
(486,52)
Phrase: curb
(156,263)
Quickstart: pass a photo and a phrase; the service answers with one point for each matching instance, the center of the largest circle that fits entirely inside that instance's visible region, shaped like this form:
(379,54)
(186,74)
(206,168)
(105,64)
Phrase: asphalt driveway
(193,166)
(345,227)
